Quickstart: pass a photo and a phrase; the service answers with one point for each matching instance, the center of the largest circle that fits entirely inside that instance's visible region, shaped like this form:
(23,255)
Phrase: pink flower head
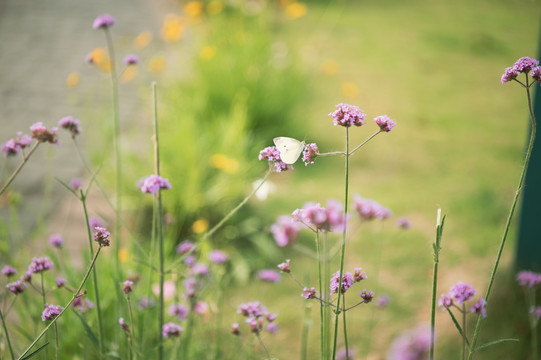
(536,74)
(308,293)
(269,275)
(411,345)
(123,325)
(284,267)
(60,282)
(145,303)
(103,22)
(344,285)
(347,115)
(70,124)
(131,59)
(525,64)
(252,309)
(272,154)
(310,153)
(385,123)
(331,218)
(127,286)
(51,312)
(383,300)
(16,287)
(153,183)
(40,264)
(509,74)
(369,209)
(462,292)
(201,308)
(403,223)
(272,328)
(285,231)
(11,148)
(200,269)
(95,222)
(235,329)
(171,330)
(8,271)
(529,279)
(169,289)
(359,275)
(185,247)
(56,240)
(336,217)
(101,236)
(23,140)
(445,301)
(41,134)
(367,296)
(178,310)
(479,308)
(218,257)
(76,184)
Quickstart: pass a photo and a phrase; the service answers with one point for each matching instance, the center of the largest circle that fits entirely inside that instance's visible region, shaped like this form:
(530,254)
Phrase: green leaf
(88,330)
(35,352)
(494,343)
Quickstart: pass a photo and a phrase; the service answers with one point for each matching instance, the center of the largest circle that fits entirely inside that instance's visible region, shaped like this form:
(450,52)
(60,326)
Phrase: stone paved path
(41,42)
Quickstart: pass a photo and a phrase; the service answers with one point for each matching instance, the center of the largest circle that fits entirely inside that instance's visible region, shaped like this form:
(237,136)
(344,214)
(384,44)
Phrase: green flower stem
(436,253)
(364,142)
(94,275)
(263,345)
(321,305)
(327,312)
(340,295)
(75,295)
(464,336)
(56,341)
(116,143)
(19,168)
(7,336)
(132,335)
(510,216)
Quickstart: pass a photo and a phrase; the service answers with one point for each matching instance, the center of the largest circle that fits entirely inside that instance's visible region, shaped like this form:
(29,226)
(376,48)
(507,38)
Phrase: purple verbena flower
(60,281)
(369,209)
(103,22)
(359,275)
(525,64)
(269,275)
(101,236)
(184,247)
(284,267)
(385,123)
(42,134)
(95,221)
(347,115)
(76,184)
(16,287)
(8,271)
(445,301)
(201,307)
(272,328)
(171,330)
(382,301)
(145,303)
(218,257)
(462,292)
(178,310)
(200,269)
(341,354)
(190,260)
(131,59)
(23,140)
(82,304)
(509,74)
(529,279)
(479,308)
(325,219)
(153,183)
(235,329)
(310,153)
(56,240)
(308,293)
(411,345)
(70,124)
(536,74)
(344,285)
(40,264)
(272,154)
(284,231)
(403,223)
(11,148)
(51,312)
(367,296)
(123,325)
(127,286)
(252,309)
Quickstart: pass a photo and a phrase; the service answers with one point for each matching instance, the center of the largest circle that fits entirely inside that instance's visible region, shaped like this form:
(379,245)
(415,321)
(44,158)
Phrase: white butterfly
(290,149)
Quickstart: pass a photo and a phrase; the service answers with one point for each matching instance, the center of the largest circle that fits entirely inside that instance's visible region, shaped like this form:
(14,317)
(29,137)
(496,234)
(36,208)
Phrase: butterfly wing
(290,149)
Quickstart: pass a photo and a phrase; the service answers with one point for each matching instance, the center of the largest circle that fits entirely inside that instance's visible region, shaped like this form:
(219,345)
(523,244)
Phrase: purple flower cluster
(40,264)
(272,154)
(256,315)
(479,308)
(385,123)
(145,303)
(56,240)
(411,345)
(101,236)
(285,231)
(42,134)
(153,183)
(284,267)
(310,153)
(171,330)
(8,271)
(13,146)
(367,296)
(308,293)
(523,65)
(131,59)
(103,22)
(347,115)
(178,310)
(347,282)
(70,124)
(185,247)
(369,209)
(76,184)
(218,257)
(359,275)
(60,282)
(16,287)
(459,294)
(330,219)
(529,279)
(82,304)
(382,301)
(269,275)
(123,325)
(403,223)
(51,312)
(127,286)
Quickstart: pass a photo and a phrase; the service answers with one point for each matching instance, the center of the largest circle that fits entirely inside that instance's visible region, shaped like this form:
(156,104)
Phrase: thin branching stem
(20,167)
(7,336)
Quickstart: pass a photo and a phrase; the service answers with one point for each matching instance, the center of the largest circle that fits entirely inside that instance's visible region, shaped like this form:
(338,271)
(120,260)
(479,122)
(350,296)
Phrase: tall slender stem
(263,345)
(510,216)
(132,335)
(344,310)
(7,335)
(436,254)
(56,341)
(19,168)
(321,304)
(464,331)
(344,232)
(75,295)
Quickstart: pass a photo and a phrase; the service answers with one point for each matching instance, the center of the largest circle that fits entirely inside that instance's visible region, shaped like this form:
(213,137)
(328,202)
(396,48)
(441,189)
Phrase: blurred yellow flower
(349,90)
(172,28)
(215,7)
(156,64)
(143,39)
(128,74)
(72,80)
(200,226)
(100,58)
(193,9)
(330,67)
(224,163)
(295,10)
(207,52)
(123,255)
